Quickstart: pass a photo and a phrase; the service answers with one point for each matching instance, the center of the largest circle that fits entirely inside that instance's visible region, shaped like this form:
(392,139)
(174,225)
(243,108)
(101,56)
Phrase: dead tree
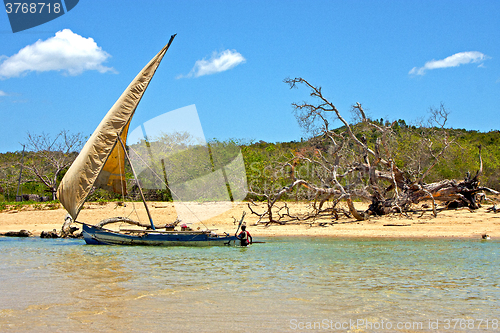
(50,156)
(358,161)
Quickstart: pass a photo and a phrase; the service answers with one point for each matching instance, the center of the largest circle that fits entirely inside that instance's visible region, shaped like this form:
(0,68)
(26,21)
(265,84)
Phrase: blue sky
(397,58)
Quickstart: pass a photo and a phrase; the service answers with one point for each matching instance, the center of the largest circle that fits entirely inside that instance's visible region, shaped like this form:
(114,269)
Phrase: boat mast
(138,185)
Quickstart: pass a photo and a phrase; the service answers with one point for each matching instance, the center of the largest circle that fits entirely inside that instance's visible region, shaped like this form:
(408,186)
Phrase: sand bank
(460,223)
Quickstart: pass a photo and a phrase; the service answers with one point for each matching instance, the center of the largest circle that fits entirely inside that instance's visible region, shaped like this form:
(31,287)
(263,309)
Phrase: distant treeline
(263,159)
(265,162)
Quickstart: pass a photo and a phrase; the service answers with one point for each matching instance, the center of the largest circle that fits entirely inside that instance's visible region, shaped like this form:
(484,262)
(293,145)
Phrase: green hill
(410,147)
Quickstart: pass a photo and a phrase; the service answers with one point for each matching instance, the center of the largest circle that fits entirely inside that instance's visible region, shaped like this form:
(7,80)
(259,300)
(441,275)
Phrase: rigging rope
(122,185)
(166,185)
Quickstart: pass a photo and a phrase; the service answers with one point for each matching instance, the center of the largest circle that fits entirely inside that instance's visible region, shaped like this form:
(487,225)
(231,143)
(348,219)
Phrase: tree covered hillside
(266,169)
(264,161)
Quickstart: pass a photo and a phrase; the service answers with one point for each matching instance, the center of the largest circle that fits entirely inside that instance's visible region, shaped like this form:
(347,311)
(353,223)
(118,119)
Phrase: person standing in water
(244,236)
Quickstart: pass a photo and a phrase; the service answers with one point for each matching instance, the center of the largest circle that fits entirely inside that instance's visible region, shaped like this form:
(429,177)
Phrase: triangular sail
(100,163)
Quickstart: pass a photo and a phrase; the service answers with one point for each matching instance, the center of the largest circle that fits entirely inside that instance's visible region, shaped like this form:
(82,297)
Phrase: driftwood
(493,209)
(397,225)
(347,166)
(67,230)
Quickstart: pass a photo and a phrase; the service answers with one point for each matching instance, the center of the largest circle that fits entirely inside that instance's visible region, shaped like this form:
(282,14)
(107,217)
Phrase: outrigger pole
(241,222)
(138,184)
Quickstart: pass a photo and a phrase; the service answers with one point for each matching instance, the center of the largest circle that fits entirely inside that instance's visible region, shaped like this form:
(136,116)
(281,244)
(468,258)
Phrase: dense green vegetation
(265,162)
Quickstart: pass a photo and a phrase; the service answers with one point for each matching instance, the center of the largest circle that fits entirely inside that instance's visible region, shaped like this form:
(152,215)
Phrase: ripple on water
(63,285)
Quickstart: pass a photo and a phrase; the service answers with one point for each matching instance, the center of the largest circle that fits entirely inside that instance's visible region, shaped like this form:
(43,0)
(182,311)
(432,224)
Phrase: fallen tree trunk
(466,193)
(384,162)
(354,211)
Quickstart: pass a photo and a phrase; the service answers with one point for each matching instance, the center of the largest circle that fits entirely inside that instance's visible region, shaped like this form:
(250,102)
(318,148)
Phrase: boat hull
(99,236)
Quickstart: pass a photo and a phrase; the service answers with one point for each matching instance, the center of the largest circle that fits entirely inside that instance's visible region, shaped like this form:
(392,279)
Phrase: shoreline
(449,224)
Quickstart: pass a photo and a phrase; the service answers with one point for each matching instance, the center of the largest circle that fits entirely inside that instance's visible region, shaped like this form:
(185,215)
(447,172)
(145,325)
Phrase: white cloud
(219,62)
(3,93)
(455,60)
(66,51)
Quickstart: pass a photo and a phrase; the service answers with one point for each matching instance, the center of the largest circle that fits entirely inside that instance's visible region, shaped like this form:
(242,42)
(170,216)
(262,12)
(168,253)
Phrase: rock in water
(20,233)
(49,234)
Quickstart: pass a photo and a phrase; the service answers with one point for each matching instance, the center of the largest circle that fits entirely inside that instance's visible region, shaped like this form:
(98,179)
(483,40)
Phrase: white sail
(101,161)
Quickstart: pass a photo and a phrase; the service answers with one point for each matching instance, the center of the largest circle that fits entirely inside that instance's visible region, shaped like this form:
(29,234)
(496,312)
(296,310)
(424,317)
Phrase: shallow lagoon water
(285,284)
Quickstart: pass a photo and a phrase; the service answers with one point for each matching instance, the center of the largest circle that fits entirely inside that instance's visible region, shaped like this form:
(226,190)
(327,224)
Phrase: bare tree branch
(51,156)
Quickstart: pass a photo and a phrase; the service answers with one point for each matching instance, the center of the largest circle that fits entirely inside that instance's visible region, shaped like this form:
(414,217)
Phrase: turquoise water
(285,284)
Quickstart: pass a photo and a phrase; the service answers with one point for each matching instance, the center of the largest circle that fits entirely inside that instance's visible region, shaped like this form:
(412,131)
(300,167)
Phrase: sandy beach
(460,223)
